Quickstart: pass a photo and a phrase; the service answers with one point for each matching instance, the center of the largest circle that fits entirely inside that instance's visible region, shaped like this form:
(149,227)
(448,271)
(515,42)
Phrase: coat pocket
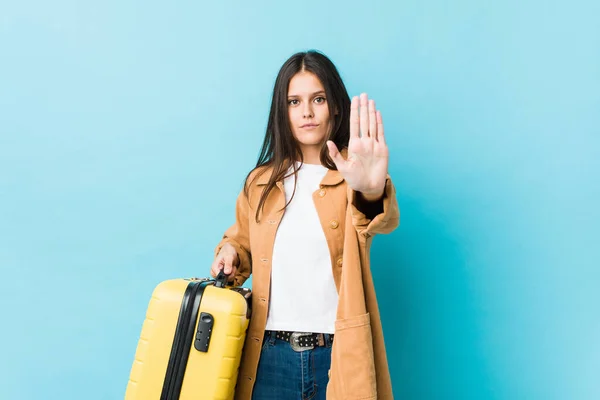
(354,358)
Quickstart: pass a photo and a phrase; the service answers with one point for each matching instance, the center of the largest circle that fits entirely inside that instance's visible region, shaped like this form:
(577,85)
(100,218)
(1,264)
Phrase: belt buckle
(295,341)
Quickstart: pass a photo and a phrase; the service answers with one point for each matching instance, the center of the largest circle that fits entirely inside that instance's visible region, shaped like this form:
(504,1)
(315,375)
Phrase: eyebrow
(314,94)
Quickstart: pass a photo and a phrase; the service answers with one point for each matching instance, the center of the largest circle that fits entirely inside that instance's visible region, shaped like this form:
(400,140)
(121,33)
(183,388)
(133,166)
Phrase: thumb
(335,154)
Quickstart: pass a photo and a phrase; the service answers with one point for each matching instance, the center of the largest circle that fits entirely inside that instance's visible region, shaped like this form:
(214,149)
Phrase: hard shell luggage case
(191,341)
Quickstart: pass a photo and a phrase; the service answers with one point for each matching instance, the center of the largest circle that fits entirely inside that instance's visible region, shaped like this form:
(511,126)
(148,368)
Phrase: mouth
(309,126)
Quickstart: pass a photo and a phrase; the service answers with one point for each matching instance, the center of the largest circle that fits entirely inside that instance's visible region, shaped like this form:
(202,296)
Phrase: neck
(311,155)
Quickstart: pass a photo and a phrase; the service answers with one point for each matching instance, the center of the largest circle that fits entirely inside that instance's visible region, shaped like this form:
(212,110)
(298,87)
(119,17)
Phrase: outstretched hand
(366,167)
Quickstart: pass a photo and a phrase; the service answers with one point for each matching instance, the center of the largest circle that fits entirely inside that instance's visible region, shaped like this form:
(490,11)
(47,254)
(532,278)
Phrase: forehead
(304,83)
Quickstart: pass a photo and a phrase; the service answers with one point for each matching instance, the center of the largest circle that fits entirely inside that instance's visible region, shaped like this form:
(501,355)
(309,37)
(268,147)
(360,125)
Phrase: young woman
(304,223)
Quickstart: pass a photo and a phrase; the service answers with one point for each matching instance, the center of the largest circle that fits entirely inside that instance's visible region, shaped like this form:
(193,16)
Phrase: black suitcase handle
(221,279)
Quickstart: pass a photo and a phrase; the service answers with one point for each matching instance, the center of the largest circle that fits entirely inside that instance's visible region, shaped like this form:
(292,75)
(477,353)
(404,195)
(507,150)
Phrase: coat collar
(331,178)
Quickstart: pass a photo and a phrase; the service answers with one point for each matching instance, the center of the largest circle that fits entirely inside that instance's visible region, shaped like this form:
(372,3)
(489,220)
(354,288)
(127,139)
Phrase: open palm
(365,169)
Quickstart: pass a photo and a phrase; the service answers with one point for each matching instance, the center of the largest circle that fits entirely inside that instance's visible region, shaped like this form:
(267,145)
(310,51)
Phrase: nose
(307,111)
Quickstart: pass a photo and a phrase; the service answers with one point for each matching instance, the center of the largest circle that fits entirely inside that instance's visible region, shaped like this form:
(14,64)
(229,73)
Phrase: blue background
(126,129)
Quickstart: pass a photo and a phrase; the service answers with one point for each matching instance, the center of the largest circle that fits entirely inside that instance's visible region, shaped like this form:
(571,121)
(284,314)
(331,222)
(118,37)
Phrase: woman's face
(308,111)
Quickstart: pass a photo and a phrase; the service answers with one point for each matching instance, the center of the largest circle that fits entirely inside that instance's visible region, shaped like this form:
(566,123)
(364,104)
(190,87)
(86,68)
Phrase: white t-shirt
(303,293)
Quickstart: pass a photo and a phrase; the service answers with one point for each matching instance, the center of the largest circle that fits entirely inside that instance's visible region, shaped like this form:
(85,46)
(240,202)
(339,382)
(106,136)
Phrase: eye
(320,99)
(292,102)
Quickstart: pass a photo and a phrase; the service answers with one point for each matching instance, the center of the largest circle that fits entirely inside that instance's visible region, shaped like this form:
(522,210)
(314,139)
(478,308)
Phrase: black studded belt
(301,341)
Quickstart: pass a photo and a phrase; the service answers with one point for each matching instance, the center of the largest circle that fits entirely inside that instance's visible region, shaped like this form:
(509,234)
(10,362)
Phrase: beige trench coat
(359,368)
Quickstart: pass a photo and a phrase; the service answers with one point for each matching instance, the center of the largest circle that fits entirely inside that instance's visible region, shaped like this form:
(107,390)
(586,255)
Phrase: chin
(310,140)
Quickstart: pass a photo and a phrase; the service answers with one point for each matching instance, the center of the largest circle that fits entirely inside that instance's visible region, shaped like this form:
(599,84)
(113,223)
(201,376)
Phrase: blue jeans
(284,374)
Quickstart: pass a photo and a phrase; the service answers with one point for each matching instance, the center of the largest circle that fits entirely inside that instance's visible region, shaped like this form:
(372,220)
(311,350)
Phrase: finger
(214,271)
(228,260)
(372,120)
(218,265)
(364,115)
(380,136)
(335,154)
(354,118)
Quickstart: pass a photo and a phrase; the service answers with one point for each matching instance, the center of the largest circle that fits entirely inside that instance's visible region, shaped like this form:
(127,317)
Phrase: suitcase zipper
(184,335)
(190,333)
(175,348)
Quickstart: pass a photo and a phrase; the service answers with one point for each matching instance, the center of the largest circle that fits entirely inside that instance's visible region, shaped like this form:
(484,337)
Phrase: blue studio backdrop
(126,129)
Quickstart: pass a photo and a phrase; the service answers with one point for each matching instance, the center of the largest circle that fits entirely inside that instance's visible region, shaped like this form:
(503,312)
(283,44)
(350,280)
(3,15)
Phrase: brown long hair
(280,148)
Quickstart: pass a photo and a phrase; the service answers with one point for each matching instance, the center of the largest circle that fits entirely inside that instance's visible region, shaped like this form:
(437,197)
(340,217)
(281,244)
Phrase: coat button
(340,261)
(322,192)
(334,224)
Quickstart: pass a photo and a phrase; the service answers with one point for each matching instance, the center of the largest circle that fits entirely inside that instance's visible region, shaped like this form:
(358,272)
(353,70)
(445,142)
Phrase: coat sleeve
(238,236)
(384,222)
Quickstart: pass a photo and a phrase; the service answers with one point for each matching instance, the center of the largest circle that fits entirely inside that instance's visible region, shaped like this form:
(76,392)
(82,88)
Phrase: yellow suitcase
(191,342)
